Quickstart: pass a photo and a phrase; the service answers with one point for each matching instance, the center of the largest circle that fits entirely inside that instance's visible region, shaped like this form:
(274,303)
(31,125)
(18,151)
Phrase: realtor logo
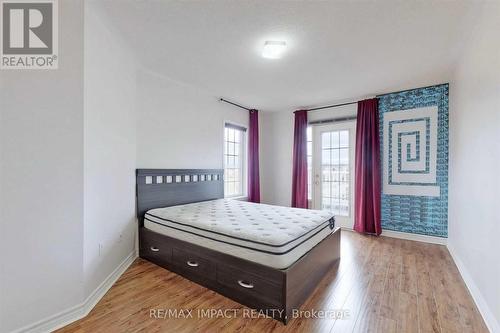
(29,34)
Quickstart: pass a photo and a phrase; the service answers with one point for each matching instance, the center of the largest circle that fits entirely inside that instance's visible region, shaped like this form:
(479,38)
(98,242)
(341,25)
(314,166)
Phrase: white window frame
(310,167)
(343,221)
(243,160)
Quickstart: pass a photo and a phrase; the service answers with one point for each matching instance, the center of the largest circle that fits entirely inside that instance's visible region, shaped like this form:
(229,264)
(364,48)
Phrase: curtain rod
(235,104)
(329,106)
(336,105)
(376,96)
(400,91)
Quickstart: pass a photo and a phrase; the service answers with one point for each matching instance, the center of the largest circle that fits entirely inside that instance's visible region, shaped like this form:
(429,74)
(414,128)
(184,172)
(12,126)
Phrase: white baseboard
(415,237)
(79,311)
(408,236)
(484,309)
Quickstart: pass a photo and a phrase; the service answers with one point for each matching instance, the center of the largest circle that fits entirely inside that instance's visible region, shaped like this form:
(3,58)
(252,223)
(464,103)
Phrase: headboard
(169,187)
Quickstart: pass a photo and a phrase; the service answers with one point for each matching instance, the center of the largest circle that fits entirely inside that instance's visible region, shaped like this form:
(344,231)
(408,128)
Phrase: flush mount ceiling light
(273,49)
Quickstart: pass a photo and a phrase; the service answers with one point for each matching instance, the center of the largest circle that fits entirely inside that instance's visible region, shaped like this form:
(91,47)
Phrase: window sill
(240,198)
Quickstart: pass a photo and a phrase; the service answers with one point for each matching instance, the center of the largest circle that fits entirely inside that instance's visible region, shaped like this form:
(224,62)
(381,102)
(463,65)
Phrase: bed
(266,257)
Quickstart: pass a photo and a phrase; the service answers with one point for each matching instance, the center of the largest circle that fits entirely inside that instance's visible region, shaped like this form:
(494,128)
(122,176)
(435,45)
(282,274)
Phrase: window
(335,172)
(234,154)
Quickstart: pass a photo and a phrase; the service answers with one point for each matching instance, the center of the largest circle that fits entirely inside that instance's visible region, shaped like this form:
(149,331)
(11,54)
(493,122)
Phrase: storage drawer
(154,247)
(250,285)
(193,263)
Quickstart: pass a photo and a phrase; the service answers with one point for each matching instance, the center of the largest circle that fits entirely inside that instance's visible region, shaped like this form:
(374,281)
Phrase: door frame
(342,221)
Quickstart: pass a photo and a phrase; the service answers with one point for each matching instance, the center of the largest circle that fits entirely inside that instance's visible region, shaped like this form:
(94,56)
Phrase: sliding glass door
(333,170)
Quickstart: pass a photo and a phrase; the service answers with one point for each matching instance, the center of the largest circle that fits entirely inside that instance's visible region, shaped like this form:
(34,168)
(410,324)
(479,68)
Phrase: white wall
(41,131)
(277,151)
(276,159)
(474,220)
(109,148)
(179,126)
(67,161)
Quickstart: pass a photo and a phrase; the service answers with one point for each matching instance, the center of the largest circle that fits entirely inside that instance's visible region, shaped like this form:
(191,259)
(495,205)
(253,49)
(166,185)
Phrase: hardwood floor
(384,284)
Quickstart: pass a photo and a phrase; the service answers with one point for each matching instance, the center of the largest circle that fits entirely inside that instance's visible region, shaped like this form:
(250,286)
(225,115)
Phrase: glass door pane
(335,172)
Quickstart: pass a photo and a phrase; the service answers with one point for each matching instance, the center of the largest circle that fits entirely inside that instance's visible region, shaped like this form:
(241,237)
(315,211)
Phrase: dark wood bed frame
(275,291)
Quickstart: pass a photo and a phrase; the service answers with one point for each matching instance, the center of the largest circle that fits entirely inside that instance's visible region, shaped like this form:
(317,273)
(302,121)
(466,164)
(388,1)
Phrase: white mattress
(269,235)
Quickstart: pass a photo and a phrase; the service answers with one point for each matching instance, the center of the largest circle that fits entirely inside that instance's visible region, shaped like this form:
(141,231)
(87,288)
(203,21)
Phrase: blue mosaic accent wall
(424,213)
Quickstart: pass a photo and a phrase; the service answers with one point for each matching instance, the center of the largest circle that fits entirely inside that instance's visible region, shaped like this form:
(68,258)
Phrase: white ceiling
(337,51)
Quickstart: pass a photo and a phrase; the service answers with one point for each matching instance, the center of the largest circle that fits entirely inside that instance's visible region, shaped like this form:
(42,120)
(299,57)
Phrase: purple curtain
(299,180)
(253,157)
(367,171)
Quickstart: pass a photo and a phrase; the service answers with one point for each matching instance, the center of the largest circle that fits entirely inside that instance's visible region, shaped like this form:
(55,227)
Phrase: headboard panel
(169,187)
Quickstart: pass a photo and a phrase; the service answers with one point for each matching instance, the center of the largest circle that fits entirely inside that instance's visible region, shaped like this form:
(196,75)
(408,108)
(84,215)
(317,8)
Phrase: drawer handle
(245,285)
(192,263)
(154,249)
